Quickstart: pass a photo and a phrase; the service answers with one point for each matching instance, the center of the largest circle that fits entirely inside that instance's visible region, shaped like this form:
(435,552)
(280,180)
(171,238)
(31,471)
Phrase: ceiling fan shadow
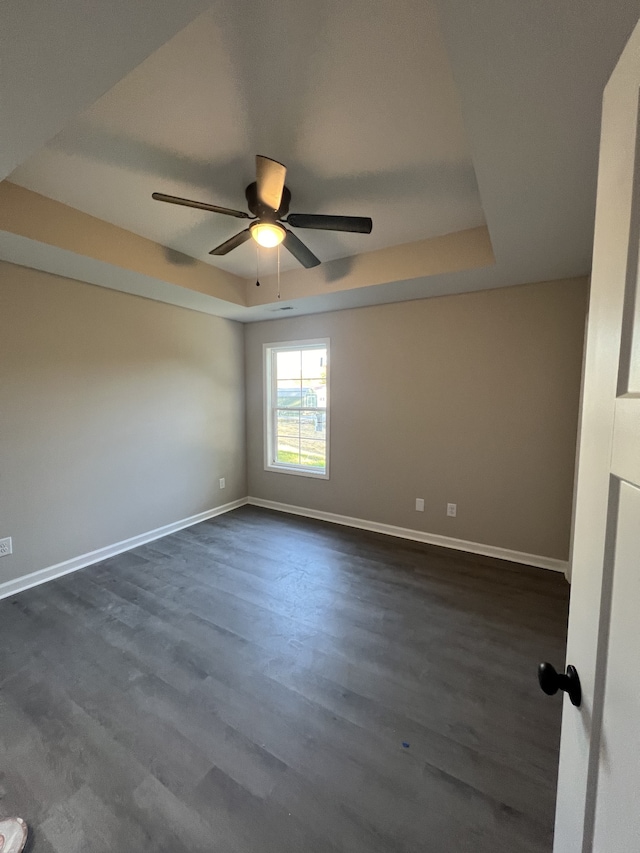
(178,259)
(437,180)
(333,271)
(84,139)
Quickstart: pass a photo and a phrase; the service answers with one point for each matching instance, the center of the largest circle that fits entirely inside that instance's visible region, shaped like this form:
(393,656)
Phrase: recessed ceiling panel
(361,107)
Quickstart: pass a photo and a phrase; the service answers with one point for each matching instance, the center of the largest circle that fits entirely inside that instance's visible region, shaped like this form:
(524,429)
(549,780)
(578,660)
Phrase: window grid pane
(298,401)
(313,364)
(289,364)
(313,453)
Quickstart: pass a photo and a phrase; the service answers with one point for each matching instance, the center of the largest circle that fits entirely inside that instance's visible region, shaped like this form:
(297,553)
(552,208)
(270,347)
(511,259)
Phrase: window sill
(297,472)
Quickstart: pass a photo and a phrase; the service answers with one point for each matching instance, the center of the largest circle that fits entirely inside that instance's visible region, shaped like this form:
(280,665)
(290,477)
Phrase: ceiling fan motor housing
(261,210)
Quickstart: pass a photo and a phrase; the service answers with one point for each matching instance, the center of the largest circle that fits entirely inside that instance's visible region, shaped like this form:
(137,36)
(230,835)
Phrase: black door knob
(551,681)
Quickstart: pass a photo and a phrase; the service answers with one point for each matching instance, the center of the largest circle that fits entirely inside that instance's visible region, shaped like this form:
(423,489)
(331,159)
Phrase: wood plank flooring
(263,683)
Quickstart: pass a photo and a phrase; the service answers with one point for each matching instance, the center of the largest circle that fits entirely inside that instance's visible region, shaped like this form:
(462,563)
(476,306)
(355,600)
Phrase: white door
(599,780)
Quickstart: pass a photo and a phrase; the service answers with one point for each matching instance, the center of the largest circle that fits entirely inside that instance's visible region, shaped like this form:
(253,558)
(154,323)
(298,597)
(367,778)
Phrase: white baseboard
(419,536)
(12,587)
(43,575)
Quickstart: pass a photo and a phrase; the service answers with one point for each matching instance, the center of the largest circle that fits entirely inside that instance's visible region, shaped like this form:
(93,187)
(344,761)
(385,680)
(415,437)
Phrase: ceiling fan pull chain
(257,265)
(278,270)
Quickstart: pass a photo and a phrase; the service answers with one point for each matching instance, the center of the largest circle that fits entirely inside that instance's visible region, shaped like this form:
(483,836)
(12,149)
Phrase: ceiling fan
(268,201)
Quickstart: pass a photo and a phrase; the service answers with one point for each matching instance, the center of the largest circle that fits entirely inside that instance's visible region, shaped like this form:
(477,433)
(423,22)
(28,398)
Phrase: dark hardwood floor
(269,683)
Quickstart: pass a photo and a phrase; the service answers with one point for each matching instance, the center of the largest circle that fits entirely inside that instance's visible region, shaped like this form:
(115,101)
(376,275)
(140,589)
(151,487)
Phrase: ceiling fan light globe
(268,234)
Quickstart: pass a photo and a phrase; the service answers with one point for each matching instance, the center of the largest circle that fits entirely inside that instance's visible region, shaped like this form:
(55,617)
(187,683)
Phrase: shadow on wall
(336,270)
(178,259)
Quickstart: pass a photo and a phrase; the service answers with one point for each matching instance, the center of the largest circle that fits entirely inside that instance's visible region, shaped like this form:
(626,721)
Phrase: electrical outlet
(452,510)
(5,547)
(222,483)
(419,504)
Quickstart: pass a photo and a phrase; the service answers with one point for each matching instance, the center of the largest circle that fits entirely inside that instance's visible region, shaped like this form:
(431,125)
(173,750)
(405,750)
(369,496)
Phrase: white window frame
(268,384)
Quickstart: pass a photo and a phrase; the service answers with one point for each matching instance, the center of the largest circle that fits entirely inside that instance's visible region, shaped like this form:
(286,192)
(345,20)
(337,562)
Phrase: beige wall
(117,416)
(471,399)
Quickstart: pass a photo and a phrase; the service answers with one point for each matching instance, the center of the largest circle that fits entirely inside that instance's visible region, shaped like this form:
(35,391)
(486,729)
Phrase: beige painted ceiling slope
(358,99)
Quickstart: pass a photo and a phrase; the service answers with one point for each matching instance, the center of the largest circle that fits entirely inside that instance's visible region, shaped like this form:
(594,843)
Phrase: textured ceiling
(432,118)
(361,108)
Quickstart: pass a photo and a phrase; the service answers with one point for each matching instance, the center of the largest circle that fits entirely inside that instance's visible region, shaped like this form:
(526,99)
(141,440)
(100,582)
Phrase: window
(297,407)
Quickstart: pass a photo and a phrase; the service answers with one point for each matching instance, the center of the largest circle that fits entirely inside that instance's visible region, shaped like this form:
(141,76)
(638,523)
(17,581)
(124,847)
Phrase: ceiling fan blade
(232,243)
(270,176)
(356,224)
(200,205)
(299,251)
